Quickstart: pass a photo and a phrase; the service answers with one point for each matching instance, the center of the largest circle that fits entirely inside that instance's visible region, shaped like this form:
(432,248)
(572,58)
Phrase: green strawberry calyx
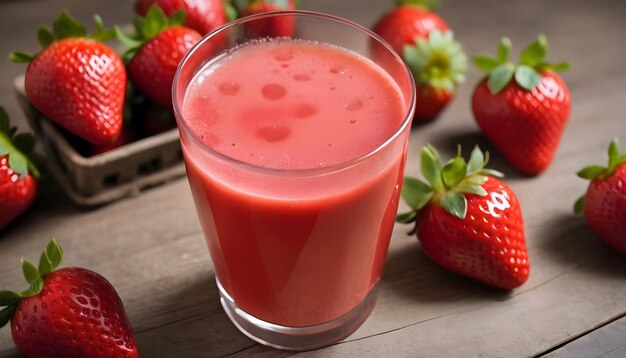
(65,26)
(526,72)
(147,28)
(50,259)
(593,172)
(19,148)
(431,5)
(447,184)
(437,62)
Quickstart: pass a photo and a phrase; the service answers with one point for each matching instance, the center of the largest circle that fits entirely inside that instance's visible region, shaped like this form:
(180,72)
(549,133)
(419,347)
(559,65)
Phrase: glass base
(297,338)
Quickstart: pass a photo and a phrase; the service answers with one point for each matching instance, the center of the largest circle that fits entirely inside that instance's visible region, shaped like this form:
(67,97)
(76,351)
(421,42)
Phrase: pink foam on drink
(326,95)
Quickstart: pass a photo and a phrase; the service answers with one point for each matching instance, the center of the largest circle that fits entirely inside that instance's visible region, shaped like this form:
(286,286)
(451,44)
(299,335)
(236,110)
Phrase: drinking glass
(297,261)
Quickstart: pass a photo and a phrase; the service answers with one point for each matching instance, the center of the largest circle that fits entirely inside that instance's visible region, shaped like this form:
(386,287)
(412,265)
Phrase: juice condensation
(297,237)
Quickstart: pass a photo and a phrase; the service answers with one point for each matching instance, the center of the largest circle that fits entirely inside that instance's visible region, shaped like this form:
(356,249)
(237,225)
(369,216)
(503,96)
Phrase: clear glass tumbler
(297,261)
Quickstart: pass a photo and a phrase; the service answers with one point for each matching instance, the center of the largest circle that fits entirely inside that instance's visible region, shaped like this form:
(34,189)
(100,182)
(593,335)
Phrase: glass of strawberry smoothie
(295,151)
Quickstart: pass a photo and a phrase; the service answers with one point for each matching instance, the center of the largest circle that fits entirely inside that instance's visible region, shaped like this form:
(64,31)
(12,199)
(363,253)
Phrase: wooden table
(151,249)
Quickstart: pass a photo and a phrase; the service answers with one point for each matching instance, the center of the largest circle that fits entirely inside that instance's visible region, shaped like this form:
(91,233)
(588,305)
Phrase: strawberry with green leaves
(272,27)
(604,204)
(18,186)
(77,81)
(203,16)
(155,52)
(424,41)
(70,312)
(523,108)
(467,220)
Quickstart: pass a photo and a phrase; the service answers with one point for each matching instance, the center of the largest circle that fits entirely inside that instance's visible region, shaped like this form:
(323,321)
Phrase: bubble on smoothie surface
(274,133)
(305,110)
(354,105)
(273,91)
(229,88)
(284,56)
(302,77)
(338,70)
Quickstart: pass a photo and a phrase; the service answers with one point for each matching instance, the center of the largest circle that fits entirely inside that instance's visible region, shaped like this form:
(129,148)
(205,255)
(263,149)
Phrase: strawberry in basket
(76,80)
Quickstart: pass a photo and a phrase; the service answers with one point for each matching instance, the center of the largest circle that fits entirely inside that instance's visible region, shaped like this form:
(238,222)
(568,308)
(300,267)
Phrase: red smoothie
(297,236)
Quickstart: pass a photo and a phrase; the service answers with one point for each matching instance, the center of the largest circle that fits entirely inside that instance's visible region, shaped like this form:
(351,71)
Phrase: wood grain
(607,341)
(151,248)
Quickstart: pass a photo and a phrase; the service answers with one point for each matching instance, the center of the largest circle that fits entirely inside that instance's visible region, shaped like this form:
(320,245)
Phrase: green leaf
(485,63)
(431,5)
(154,22)
(45,36)
(54,253)
(431,167)
(178,18)
(613,155)
(66,26)
(45,266)
(471,189)
(34,288)
(416,193)
(18,163)
(406,217)
(6,314)
(231,12)
(504,49)
(579,205)
(621,160)
(454,172)
(476,162)
(24,142)
(591,172)
(527,77)
(8,298)
(500,77)
(455,204)
(476,179)
(30,272)
(491,172)
(20,57)
(102,34)
(535,52)
(125,39)
(556,67)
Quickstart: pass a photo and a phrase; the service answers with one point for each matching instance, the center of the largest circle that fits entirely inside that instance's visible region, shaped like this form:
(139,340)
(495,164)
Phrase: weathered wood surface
(151,248)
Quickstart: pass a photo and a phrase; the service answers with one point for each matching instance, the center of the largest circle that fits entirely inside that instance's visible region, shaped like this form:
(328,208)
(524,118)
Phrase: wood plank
(607,341)
(151,248)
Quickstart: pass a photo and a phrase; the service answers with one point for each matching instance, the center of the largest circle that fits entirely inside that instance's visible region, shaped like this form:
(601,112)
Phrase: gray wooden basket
(103,178)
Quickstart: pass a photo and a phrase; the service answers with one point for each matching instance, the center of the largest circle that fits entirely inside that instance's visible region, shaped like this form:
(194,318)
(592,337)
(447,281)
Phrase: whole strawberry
(604,205)
(271,27)
(18,187)
(523,108)
(467,220)
(203,16)
(71,312)
(436,60)
(77,81)
(155,52)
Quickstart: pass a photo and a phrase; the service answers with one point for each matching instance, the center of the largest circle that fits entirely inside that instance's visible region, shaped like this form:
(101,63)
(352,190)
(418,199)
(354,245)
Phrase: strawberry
(76,81)
(71,312)
(604,205)
(427,46)
(272,27)
(203,16)
(467,220)
(18,187)
(522,108)
(155,52)
(126,136)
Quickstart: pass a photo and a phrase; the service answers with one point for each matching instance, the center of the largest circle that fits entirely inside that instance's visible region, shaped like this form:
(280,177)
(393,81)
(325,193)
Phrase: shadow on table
(196,325)
(412,274)
(569,239)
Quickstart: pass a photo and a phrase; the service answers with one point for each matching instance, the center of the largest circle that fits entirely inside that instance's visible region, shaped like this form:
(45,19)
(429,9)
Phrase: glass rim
(306,172)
